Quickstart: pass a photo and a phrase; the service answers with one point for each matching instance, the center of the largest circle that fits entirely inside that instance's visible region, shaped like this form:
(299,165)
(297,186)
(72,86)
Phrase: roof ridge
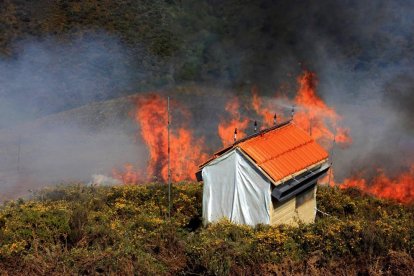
(264,131)
(235,144)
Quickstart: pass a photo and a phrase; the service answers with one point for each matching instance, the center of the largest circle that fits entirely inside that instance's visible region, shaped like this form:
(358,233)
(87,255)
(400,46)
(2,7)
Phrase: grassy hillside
(124,230)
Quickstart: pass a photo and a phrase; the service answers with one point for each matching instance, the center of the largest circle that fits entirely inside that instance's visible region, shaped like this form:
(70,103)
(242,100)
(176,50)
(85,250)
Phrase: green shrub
(77,229)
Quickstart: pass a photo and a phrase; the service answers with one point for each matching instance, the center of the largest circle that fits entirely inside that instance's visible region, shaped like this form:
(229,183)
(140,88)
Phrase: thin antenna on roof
(235,134)
(332,155)
(293,111)
(169,168)
(255,126)
(310,126)
(275,119)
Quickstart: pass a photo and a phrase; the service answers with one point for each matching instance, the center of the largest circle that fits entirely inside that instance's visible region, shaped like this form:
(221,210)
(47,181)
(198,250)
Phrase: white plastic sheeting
(233,188)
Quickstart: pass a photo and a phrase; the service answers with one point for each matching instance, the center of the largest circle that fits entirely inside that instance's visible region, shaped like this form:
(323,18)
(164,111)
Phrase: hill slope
(95,230)
(94,139)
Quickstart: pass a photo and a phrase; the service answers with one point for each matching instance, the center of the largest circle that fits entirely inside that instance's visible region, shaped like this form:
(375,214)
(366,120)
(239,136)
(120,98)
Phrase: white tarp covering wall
(233,188)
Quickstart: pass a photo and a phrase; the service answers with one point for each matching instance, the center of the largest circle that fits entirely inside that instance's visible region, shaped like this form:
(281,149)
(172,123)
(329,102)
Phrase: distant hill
(64,146)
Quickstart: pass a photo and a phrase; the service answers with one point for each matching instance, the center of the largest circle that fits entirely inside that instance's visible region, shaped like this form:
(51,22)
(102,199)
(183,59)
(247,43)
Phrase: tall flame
(226,128)
(258,107)
(314,115)
(311,114)
(322,122)
(186,151)
(152,116)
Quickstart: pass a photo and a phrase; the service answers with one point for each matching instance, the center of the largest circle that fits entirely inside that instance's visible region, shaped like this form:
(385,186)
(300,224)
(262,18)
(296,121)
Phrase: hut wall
(283,213)
(234,189)
(305,206)
(299,208)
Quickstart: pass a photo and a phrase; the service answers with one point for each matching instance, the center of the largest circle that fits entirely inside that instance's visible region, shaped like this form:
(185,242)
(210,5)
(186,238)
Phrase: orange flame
(400,188)
(314,115)
(226,129)
(186,151)
(128,176)
(257,105)
(151,115)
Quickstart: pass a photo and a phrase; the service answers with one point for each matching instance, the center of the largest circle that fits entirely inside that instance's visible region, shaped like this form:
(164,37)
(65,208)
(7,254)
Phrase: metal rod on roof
(293,111)
(169,168)
(235,134)
(255,126)
(275,119)
(310,126)
(332,155)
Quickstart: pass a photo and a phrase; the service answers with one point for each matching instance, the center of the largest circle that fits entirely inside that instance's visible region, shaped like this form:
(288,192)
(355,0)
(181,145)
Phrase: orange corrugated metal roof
(279,151)
(283,151)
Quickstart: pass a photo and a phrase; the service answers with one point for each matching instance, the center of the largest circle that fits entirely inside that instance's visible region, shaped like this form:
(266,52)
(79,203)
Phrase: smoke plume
(43,140)
(361,52)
